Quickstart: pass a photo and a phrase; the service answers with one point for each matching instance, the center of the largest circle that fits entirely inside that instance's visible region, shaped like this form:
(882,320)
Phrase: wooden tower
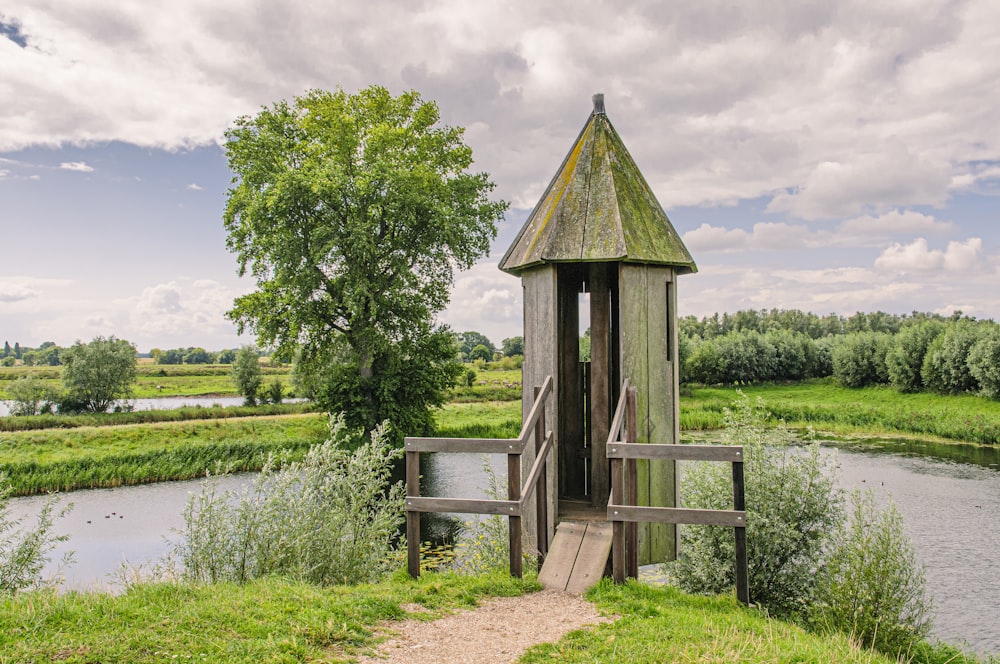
(598,230)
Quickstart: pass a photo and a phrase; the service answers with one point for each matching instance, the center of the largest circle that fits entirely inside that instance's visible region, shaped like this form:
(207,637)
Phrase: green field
(876,410)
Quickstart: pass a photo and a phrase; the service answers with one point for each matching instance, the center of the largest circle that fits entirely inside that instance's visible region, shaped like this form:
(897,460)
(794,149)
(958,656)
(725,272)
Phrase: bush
(331,518)
(23,553)
(792,509)
(859,359)
(274,392)
(873,588)
(945,368)
(906,354)
(984,362)
(28,396)
(247,374)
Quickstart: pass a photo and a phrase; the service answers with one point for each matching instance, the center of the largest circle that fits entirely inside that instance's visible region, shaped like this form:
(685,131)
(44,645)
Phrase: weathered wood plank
(472,445)
(412,518)
(539,285)
(678,452)
(660,427)
(730,518)
(592,558)
(600,382)
(571,413)
(559,563)
(464,506)
(635,365)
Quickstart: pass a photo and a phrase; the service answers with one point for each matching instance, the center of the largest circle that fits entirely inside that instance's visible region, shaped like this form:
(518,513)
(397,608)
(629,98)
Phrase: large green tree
(352,212)
(97,374)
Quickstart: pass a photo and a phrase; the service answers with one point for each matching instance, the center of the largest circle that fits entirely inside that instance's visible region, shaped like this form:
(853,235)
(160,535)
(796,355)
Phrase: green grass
(266,621)
(874,410)
(88,457)
(156,380)
(662,624)
(488,419)
(38,422)
(275,620)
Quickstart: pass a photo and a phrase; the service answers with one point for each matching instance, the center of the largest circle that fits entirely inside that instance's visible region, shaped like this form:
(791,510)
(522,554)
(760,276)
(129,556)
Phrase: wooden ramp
(577,556)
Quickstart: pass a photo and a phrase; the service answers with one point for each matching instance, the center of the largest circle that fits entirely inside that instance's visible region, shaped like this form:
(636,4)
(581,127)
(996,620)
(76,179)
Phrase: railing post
(514,522)
(617,527)
(739,504)
(631,484)
(413,518)
(541,493)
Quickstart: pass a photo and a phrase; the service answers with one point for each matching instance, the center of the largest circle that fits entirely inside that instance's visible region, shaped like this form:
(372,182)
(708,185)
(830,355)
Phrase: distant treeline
(49,354)
(919,351)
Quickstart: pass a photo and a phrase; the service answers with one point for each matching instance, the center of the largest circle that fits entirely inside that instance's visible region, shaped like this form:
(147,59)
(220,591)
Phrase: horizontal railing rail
(624,513)
(518,496)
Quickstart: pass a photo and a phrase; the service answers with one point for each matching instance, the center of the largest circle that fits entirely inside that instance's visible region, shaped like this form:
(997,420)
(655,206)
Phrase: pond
(948,506)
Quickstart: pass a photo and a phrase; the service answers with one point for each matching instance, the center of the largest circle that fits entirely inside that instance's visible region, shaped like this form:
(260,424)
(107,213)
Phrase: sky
(826,156)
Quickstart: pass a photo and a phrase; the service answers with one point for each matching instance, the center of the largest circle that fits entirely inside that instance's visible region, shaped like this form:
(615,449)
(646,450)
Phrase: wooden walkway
(577,556)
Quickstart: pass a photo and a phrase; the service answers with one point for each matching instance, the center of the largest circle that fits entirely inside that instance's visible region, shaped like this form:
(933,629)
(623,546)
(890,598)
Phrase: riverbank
(280,620)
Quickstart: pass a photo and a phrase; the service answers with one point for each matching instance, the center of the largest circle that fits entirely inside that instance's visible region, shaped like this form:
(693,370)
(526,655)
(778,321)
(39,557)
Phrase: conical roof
(598,207)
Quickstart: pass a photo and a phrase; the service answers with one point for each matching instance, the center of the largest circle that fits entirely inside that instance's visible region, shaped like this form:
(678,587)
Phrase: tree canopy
(352,212)
(97,374)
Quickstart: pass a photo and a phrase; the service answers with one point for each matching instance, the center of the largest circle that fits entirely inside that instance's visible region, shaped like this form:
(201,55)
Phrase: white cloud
(194,186)
(893,223)
(918,256)
(715,238)
(842,111)
(486,300)
(76,166)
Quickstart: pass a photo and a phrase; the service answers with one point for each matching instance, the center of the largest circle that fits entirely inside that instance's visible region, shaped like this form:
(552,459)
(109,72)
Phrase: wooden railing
(622,509)
(517,495)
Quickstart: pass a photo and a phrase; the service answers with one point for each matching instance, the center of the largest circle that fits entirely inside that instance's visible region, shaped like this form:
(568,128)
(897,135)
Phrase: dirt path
(495,632)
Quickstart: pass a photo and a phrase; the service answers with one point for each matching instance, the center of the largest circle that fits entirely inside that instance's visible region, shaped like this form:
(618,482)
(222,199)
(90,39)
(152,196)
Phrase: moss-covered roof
(598,207)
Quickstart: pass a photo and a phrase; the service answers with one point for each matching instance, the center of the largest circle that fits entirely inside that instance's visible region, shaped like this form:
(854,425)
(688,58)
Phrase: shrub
(331,518)
(247,374)
(984,362)
(28,396)
(945,368)
(859,359)
(274,391)
(24,552)
(792,509)
(906,354)
(873,588)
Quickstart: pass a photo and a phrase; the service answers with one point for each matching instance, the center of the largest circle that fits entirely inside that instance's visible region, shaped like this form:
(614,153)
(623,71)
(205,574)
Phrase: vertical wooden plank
(633,322)
(570,423)
(661,421)
(618,527)
(631,488)
(514,522)
(413,518)
(600,382)
(539,293)
(541,498)
(742,570)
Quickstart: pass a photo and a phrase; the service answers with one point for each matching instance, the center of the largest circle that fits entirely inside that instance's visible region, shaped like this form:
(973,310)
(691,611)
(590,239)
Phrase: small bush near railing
(873,588)
(25,551)
(330,519)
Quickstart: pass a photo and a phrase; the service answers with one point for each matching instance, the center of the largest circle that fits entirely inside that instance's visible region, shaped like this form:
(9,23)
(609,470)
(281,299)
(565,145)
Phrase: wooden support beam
(464,506)
(413,518)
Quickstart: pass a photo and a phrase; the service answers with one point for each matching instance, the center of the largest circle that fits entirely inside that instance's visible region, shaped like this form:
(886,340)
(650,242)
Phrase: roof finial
(599,103)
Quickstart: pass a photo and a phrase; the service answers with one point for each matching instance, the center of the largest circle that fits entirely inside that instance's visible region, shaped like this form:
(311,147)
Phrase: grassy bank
(281,621)
(829,407)
(87,457)
(156,380)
